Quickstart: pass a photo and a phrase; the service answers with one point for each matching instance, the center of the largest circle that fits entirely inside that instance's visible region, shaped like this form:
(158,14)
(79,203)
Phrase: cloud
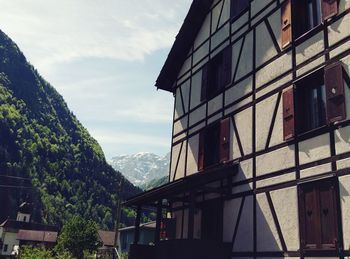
(119,142)
(66,30)
(127,138)
(103,57)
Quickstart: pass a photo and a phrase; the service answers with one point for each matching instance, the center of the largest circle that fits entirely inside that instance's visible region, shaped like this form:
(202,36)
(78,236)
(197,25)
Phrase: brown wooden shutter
(334,82)
(329,9)
(227,66)
(328,215)
(205,81)
(201,147)
(311,215)
(286,23)
(288,114)
(225,140)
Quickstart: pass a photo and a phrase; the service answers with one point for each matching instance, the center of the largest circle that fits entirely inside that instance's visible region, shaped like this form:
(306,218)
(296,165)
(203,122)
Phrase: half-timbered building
(260,156)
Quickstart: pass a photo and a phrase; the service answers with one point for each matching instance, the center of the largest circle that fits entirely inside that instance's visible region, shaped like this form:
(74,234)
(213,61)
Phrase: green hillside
(41,139)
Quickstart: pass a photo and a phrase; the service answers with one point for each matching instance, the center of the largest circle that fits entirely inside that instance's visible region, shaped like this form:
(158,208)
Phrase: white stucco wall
(10,239)
(276,160)
(314,149)
(244,238)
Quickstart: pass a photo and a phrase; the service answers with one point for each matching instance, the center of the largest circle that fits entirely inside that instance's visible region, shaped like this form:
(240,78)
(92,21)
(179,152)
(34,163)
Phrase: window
(318,215)
(214,144)
(311,102)
(307,14)
(5,247)
(24,218)
(238,6)
(314,101)
(216,74)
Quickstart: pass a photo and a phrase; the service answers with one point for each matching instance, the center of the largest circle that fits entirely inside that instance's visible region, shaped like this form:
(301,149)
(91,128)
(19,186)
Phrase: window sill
(308,34)
(213,97)
(313,132)
(239,15)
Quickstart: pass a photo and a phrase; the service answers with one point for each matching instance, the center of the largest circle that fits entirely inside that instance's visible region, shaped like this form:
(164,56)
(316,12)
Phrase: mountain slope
(42,140)
(142,168)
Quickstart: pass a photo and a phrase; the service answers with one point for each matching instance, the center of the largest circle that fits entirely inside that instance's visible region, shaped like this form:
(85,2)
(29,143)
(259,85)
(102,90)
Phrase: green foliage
(40,138)
(79,237)
(28,252)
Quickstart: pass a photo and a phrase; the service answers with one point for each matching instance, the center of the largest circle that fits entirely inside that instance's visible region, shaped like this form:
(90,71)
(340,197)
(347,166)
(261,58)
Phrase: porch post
(158,222)
(137,225)
(191,216)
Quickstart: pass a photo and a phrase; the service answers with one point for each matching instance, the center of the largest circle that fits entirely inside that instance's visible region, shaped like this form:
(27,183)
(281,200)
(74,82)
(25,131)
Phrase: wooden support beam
(191,216)
(137,225)
(159,221)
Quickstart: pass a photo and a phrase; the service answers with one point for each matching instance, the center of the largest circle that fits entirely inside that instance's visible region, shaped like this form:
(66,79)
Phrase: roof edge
(183,42)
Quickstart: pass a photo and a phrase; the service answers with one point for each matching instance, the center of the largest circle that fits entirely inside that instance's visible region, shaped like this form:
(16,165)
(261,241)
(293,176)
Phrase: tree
(78,235)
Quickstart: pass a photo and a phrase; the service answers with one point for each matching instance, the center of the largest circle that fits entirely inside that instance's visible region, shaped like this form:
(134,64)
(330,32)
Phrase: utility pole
(118,214)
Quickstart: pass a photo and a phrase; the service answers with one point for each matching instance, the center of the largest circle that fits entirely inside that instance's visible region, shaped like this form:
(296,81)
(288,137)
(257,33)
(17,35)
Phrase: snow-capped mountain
(141,168)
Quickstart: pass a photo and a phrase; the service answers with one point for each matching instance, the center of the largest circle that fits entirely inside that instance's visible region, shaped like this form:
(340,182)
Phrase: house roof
(25,208)
(37,236)
(183,42)
(107,237)
(17,225)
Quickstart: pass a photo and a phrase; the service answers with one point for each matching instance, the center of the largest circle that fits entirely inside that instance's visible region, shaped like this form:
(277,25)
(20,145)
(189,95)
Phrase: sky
(103,57)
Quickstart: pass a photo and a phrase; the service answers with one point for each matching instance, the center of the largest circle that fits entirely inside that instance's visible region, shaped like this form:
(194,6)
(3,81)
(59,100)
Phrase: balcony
(182,249)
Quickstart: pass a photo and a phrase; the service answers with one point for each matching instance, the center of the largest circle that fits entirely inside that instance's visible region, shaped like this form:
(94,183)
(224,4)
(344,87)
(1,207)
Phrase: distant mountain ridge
(142,168)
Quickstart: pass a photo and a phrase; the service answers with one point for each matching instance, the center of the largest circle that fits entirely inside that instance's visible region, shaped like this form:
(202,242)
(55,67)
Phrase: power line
(15,177)
(15,187)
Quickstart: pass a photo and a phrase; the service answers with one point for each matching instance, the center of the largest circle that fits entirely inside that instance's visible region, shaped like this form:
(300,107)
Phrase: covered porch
(190,193)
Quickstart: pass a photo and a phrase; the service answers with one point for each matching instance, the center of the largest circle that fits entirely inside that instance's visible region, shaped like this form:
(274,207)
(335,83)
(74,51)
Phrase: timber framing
(264,173)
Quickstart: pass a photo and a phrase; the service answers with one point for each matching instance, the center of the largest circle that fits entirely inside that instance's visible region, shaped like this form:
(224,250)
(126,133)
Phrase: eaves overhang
(183,43)
(193,183)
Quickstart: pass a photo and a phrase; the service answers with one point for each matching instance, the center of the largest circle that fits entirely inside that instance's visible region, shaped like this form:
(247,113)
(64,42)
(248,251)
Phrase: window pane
(318,11)
(311,102)
(212,146)
(310,15)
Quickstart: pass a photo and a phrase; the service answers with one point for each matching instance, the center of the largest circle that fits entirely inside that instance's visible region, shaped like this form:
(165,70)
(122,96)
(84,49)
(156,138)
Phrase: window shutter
(286,23)
(328,215)
(205,81)
(309,218)
(329,9)
(201,151)
(333,79)
(288,114)
(225,140)
(227,67)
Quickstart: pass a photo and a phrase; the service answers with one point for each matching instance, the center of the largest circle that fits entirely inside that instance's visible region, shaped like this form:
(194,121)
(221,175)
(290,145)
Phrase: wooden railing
(182,249)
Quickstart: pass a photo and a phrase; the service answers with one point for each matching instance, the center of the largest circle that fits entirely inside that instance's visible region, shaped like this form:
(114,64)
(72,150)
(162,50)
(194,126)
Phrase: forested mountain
(41,139)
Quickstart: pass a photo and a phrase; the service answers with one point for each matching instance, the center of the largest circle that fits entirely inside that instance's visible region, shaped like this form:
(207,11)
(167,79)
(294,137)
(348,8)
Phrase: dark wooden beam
(191,215)
(137,225)
(158,222)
